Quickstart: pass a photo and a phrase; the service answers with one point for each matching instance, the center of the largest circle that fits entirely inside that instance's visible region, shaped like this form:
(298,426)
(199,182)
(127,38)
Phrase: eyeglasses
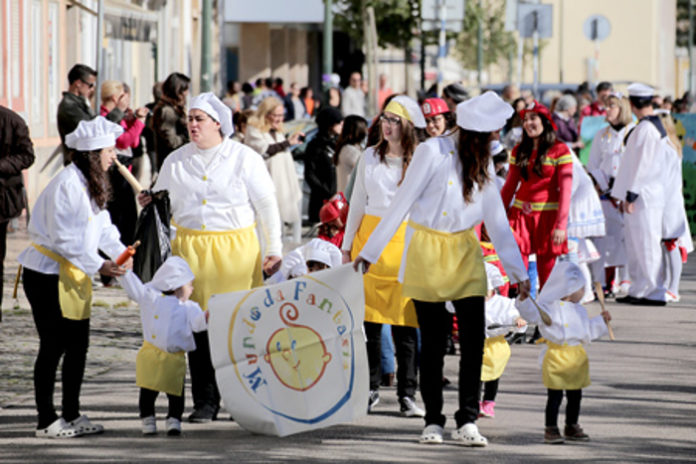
(88,84)
(391,121)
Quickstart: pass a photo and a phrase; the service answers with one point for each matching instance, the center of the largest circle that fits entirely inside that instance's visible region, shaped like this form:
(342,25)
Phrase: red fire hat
(541,110)
(336,207)
(434,106)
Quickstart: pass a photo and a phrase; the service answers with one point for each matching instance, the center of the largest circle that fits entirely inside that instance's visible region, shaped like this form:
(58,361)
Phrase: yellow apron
(74,287)
(224,261)
(157,370)
(496,354)
(443,266)
(384,302)
(565,367)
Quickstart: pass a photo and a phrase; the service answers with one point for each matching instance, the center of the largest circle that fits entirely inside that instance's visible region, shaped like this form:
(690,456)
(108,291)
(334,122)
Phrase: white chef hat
(407,108)
(640,90)
(485,113)
(94,134)
(324,252)
(565,278)
(496,147)
(172,274)
(216,109)
(493,276)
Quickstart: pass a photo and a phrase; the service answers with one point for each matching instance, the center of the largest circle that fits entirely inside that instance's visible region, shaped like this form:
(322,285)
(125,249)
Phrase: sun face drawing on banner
(296,353)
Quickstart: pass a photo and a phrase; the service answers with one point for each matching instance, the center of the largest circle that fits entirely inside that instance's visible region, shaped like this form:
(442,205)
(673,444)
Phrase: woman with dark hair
(511,134)
(320,171)
(349,149)
(542,167)
(169,116)
(69,225)
(447,191)
(438,117)
(378,175)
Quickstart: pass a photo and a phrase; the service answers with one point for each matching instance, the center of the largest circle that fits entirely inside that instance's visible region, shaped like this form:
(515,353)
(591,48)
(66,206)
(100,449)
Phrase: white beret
(216,109)
(172,274)
(484,113)
(640,90)
(94,134)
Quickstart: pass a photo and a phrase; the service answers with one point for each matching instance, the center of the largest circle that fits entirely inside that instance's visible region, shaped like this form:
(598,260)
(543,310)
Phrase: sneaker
(58,429)
(432,435)
(552,436)
(84,427)
(149,425)
(173,427)
(468,435)
(575,433)
(409,408)
(671,297)
(203,414)
(372,400)
(487,409)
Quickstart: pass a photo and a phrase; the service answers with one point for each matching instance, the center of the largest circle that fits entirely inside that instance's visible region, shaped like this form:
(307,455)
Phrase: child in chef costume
(169,319)
(565,365)
(315,255)
(501,315)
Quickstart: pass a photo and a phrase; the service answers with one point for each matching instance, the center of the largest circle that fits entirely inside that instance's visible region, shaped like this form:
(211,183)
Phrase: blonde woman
(265,135)
(603,165)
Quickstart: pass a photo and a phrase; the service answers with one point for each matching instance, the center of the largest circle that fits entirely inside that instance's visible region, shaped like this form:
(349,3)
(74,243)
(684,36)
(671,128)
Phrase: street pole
(535,38)
(206,45)
(561,29)
(691,48)
(442,13)
(100,44)
(327,54)
(479,45)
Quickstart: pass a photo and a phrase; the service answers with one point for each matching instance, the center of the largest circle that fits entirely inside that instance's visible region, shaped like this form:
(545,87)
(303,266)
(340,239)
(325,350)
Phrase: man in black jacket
(16,153)
(74,106)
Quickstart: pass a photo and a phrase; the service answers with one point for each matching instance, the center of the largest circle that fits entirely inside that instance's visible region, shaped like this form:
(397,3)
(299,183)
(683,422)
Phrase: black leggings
(435,323)
(58,337)
(147,399)
(553,404)
(406,347)
(490,389)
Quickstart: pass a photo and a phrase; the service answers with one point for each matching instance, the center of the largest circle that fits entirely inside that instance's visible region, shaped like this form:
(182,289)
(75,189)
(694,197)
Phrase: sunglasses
(88,84)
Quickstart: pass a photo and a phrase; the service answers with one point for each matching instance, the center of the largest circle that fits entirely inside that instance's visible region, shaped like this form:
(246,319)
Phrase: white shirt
(353,102)
(167,322)
(502,311)
(570,322)
(432,193)
(373,191)
(606,153)
(219,193)
(66,221)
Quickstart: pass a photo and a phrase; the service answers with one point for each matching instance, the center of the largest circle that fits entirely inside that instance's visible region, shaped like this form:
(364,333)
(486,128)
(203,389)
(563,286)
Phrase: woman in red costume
(542,167)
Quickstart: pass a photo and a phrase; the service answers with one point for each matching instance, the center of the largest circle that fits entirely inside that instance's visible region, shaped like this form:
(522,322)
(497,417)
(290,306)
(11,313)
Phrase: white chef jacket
(570,322)
(167,322)
(432,193)
(67,222)
(501,310)
(373,191)
(223,194)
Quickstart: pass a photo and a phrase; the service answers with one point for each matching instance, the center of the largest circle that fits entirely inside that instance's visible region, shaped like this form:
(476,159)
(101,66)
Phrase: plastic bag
(153,231)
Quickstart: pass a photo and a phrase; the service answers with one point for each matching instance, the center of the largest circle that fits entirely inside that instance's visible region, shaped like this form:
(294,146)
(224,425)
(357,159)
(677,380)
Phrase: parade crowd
(471,218)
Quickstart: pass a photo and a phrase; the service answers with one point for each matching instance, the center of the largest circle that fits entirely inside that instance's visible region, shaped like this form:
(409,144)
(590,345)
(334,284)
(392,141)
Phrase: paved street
(641,406)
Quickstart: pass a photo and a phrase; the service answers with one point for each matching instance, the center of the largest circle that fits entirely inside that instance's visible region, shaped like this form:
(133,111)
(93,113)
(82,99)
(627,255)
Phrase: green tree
(397,20)
(498,43)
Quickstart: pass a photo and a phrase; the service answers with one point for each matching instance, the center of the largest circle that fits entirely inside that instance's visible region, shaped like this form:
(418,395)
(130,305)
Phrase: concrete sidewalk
(641,406)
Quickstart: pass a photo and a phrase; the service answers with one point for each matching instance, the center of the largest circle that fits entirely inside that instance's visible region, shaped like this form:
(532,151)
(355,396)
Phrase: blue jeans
(388,364)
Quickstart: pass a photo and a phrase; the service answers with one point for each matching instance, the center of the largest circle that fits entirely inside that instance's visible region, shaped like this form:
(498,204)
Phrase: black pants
(406,347)
(3,252)
(553,404)
(58,337)
(203,386)
(490,389)
(434,321)
(147,399)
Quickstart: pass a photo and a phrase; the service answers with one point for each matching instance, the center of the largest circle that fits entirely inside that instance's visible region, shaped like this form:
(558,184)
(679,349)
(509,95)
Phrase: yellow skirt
(565,367)
(442,266)
(160,371)
(496,354)
(222,262)
(384,302)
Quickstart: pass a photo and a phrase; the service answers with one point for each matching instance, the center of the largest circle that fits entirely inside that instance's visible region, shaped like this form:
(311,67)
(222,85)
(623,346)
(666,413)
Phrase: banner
(686,131)
(291,357)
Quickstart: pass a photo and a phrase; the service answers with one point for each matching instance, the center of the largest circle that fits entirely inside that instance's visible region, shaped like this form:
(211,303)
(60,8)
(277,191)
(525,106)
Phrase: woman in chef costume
(565,365)
(448,189)
(69,224)
(219,189)
(169,320)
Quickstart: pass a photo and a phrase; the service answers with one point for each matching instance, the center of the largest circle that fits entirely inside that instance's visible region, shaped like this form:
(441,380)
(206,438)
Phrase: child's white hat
(93,134)
(565,278)
(322,251)
(493,276)
(172,274)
